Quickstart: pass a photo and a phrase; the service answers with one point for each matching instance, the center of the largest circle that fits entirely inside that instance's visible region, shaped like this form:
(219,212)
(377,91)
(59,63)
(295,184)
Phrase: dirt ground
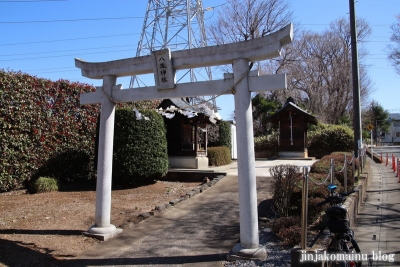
(41,229)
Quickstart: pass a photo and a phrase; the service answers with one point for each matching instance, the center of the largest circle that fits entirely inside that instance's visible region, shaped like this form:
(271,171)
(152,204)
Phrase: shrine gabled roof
(182,105)
(292,107)
(177,102)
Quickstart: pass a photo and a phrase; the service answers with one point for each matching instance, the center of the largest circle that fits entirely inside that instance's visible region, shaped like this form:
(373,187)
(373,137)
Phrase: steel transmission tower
(177,25)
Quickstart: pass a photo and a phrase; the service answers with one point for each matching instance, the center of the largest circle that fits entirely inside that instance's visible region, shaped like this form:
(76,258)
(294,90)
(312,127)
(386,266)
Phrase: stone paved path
(377,228)
(197,232)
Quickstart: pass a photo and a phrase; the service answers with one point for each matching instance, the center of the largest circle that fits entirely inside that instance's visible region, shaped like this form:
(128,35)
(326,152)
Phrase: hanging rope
(342,170)
(232,89)
(109,97)
(351,161)
(320,183)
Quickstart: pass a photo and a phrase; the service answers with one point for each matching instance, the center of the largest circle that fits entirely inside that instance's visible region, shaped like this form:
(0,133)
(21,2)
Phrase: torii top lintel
(254,50)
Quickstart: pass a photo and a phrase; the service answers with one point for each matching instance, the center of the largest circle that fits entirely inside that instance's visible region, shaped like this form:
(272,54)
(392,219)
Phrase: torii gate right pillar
(246,166)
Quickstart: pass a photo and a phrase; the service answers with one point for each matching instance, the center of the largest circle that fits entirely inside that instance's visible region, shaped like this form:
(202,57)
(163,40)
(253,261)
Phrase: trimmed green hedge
(325,139)
(218,156)
(42,122)
(323,166)
(225,134)
(267,143)
(322,140)
(140,147)
(70,166)
(219,134)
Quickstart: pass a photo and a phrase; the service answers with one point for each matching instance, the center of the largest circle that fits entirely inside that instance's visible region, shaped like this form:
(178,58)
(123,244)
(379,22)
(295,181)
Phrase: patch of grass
(45,184)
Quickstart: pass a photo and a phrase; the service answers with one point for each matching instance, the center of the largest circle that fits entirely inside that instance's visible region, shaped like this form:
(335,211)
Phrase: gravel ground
(277,256)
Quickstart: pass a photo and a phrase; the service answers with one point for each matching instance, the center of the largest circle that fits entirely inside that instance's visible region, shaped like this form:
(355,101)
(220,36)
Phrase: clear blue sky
(42,37)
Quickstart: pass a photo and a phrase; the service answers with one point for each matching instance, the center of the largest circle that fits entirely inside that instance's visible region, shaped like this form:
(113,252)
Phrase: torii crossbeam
(163,64)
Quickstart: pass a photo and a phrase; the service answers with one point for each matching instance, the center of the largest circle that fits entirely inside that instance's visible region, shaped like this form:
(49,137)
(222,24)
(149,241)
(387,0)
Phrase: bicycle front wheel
(357,250)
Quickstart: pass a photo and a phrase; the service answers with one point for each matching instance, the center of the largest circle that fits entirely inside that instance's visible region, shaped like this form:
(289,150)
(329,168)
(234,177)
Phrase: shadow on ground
(206,258)
(25,254)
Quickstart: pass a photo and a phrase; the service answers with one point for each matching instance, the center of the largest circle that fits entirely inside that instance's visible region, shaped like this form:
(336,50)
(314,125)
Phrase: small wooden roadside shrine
(186,133)
(293,124)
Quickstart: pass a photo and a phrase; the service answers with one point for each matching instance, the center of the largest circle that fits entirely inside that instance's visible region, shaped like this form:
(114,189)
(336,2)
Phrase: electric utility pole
(356,81)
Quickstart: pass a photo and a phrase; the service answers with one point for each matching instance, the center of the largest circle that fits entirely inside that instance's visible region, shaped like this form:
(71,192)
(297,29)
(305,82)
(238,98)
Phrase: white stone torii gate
(241,85)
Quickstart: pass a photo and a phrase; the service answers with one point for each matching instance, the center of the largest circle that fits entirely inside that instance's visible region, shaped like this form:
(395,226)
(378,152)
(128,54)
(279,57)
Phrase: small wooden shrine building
(293,123)
(186,134)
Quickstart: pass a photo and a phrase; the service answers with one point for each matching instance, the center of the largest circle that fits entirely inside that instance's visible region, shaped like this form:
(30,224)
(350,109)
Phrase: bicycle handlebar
(344,194)
(335,199)
(323,202)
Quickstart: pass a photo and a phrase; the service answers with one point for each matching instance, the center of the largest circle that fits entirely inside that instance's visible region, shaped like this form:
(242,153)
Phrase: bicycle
(343,242)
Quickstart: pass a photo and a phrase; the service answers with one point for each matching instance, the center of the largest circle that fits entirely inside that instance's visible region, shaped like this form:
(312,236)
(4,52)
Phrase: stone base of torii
(164,64)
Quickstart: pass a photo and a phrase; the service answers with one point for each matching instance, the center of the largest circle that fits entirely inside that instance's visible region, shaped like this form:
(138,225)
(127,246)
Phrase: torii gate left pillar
(241,85)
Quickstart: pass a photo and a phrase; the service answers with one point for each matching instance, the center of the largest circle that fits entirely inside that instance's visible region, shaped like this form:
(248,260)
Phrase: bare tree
(318,66)
(394,50)
(243,20)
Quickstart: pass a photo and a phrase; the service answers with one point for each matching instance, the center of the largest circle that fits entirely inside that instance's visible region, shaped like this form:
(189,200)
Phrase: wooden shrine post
(164,64)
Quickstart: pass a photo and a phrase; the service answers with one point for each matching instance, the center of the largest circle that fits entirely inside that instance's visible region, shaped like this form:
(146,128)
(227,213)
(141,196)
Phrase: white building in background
(393,135)
(233,140)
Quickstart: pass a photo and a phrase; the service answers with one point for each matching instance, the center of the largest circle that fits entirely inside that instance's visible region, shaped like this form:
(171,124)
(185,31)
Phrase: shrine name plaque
(164,74)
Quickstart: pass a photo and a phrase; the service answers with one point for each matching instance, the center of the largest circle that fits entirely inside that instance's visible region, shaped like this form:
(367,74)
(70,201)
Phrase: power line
(70,55)
(327,24)
(50,52)
(74,39)
(100,52)
(70,39)
(66,20)
(70,20)
(114,35)
(30,1)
